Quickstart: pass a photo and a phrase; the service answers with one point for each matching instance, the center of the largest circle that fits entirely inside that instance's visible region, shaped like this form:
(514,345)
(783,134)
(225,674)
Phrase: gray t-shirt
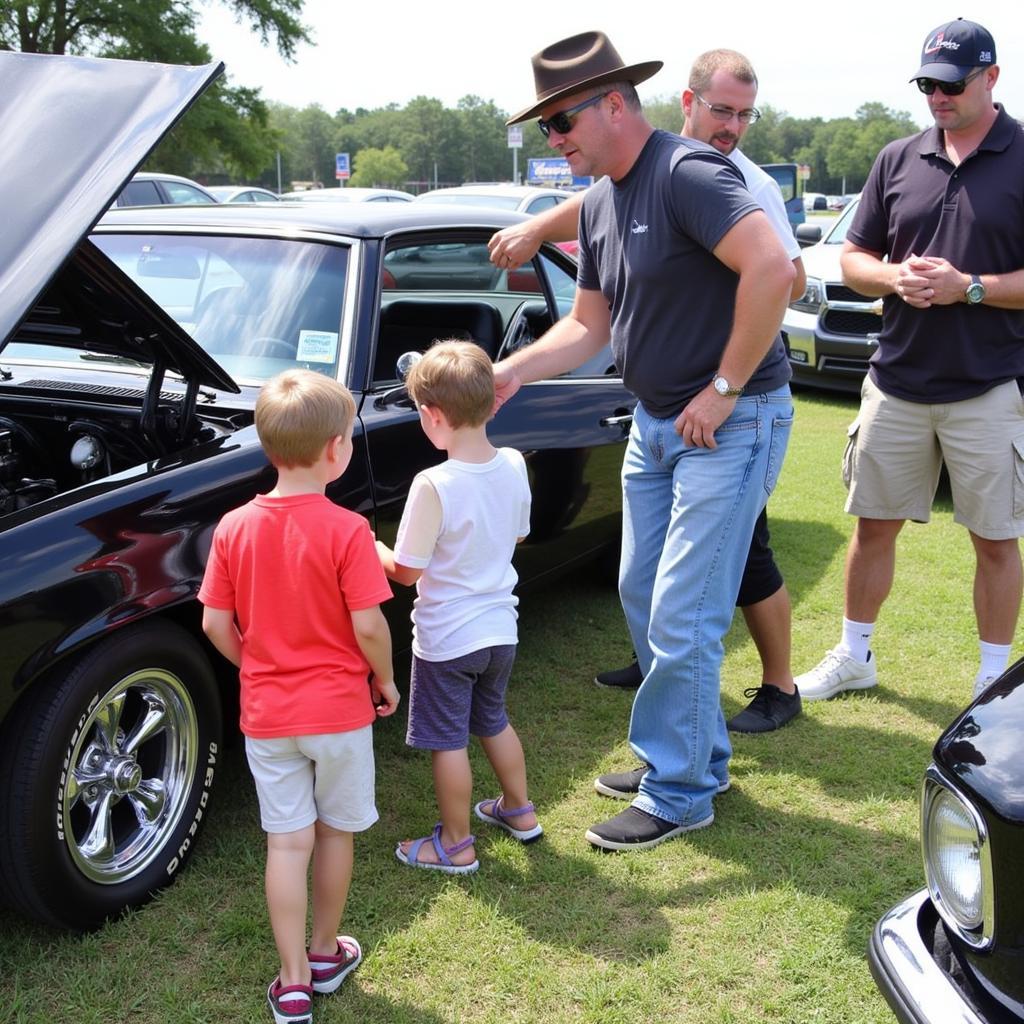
(646,244)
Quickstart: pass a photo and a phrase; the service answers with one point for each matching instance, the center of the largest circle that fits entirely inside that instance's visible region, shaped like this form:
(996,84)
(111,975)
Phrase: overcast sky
(819,59)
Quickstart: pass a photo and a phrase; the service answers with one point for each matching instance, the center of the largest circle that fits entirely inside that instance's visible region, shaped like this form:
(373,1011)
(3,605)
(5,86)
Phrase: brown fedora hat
(578,63)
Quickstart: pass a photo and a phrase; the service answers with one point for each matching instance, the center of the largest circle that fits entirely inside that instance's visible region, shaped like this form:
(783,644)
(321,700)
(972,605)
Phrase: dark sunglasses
(562,121)
(929,85)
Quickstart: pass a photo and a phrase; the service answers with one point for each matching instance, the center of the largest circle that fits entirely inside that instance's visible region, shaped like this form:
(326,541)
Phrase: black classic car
(955,950)
(132,350)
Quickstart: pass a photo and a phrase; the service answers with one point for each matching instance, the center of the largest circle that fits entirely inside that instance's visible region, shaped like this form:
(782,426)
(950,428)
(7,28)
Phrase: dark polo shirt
(916,201)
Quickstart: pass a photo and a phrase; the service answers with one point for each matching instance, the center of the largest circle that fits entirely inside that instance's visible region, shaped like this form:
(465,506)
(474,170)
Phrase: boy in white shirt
(459,529)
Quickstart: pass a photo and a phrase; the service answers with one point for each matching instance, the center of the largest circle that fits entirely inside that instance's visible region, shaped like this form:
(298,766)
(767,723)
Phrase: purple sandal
(493,813)
(444,855)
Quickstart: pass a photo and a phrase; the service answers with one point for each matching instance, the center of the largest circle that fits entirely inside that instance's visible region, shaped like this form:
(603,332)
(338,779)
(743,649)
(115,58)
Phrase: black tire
(106,775)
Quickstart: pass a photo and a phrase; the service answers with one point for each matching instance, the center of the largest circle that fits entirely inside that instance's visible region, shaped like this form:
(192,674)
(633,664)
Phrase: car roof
(512,191)
(355,194)
(357,220)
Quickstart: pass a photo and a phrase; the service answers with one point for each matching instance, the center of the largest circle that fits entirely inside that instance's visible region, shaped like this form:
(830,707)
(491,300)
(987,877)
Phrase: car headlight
(813,297)
(954,842)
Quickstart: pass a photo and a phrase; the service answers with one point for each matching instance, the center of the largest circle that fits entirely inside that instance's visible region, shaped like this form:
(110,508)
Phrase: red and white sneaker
(290,1004)
(330,971)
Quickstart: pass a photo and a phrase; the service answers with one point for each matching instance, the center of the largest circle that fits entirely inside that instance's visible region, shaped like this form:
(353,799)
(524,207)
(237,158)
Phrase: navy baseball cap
(954,50)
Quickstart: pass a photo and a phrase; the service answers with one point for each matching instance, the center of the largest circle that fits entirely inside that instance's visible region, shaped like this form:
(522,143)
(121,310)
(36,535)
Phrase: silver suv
(831,331)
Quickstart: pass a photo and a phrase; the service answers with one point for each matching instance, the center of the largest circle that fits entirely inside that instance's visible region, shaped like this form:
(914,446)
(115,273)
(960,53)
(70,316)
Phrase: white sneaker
(982,684)
(836,672)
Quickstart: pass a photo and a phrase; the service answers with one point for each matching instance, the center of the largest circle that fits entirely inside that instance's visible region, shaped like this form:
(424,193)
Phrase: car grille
(848,321)
(841,321)
(840,293)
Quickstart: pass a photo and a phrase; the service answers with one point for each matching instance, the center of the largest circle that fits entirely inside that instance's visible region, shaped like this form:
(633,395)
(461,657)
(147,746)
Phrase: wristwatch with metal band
(975,291)
(724,388)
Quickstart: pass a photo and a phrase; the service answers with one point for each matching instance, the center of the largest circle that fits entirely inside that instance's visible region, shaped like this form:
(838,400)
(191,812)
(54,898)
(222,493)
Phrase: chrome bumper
(913,985)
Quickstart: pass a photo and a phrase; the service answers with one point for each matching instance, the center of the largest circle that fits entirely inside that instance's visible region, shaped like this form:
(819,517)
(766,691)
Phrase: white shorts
(300,779)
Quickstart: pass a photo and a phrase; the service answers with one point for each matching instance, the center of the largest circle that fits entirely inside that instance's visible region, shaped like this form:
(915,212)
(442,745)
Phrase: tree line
(232,135)
(424,141)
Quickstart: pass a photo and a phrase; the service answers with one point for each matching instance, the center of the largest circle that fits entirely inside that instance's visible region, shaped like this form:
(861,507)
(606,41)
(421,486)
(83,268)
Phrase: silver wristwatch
(724,388)
(975,291)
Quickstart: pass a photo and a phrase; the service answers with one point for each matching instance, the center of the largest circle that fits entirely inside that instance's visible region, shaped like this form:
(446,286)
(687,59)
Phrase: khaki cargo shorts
(896,449)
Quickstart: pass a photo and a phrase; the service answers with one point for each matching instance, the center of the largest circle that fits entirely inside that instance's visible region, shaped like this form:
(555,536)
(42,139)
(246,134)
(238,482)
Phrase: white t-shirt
(765,190)
(464,598)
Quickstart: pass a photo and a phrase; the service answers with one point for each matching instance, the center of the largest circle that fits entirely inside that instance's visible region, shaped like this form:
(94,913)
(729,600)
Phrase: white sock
(994,658)
(856,640)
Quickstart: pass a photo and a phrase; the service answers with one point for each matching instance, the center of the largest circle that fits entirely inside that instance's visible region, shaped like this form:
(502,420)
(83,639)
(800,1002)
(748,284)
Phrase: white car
(350,195)
(521,198)
(149,189)
(528,199)
(242,194)
(831,331)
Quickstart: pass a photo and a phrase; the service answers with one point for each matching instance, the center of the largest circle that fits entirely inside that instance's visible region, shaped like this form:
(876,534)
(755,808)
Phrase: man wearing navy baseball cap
(939,235)
(954,50)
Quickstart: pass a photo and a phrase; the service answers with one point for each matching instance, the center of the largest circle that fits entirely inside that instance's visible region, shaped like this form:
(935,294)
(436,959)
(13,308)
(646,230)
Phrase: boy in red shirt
(292,596)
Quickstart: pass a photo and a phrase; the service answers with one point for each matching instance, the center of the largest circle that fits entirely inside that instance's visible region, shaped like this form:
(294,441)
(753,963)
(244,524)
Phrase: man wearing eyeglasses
(718,107)
(939,234)
(681,270)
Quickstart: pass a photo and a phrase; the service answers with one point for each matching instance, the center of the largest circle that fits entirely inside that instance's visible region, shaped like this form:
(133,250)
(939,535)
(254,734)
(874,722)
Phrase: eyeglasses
(929,85)
(720,113)
(562,121)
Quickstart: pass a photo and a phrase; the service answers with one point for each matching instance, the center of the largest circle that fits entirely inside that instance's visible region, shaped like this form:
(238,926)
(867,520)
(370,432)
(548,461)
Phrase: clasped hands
(923,281)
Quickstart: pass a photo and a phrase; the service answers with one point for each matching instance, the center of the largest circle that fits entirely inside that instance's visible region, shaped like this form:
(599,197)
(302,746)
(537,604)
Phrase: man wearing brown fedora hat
(681,270)
(718,108)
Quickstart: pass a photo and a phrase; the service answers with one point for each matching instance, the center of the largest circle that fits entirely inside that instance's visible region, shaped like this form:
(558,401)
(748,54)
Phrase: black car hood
(73,132)
(983,745)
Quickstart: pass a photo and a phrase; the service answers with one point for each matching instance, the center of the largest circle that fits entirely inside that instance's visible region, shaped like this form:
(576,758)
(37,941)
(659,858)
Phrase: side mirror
(808,234)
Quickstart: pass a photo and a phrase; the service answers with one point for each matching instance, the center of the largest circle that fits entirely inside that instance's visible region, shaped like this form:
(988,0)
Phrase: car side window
(182,193)
(139,193)
(448,288)
(541,204)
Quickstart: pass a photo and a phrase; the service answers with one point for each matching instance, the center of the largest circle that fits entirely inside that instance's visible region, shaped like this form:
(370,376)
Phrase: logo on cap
(939,43)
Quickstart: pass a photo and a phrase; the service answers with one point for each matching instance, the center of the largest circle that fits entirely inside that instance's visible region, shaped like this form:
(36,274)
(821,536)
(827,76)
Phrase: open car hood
(73,132)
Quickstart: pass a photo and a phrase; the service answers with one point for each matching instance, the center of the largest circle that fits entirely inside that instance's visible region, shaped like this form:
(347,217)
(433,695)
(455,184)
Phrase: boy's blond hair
(456,377)
(298,412)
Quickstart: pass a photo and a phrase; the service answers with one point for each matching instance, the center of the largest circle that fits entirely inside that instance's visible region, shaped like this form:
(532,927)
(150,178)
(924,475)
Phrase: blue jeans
(687,518)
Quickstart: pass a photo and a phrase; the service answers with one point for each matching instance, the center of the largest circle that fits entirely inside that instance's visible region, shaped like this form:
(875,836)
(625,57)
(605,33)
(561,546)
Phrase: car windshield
(256,305)
(838,233)
(464,199)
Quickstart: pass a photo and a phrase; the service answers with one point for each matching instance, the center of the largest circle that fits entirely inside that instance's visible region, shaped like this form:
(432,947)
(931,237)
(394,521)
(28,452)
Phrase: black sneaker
(634,829)
(626,785)
(621,785)
(628,678)
(770,709)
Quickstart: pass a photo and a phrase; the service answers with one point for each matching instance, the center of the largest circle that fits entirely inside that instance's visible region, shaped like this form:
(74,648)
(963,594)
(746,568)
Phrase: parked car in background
(349,195)
(131,356)
(815,201)
(522,198)
(242,194)
(831,331)
(148,189)
(954,951)
(528,199)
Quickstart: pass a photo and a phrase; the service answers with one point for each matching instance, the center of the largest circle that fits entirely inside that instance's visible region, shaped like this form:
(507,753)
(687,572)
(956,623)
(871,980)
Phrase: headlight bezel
(977,935)
(813,299)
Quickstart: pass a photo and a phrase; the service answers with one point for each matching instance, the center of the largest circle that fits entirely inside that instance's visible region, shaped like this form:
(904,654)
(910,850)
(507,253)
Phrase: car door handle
(621,420)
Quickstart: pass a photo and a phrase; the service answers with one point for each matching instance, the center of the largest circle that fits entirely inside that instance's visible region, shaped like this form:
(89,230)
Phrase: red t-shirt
(291,569)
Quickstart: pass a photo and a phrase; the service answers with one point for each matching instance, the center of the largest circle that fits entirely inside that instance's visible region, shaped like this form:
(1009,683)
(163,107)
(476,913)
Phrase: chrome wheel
(130,770)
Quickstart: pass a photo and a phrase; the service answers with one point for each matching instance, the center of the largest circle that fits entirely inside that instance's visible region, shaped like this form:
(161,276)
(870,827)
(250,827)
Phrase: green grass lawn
(764,917)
